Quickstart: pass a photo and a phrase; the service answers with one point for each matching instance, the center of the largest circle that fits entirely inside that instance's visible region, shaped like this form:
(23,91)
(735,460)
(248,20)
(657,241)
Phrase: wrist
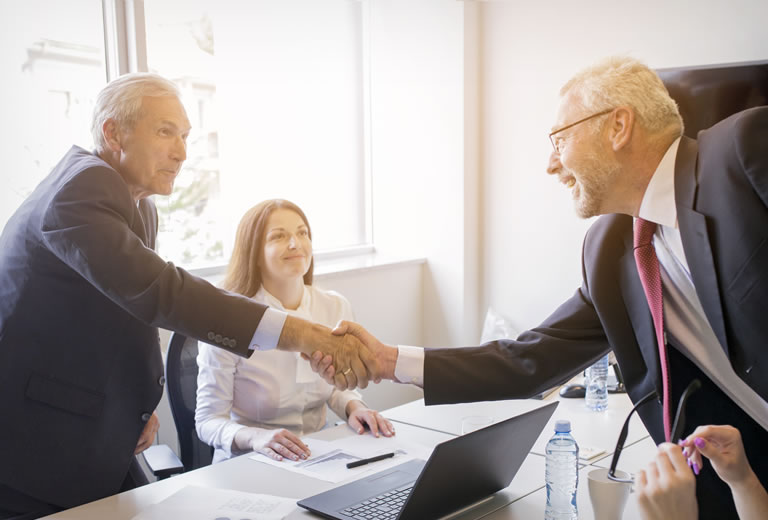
(352,406)
(747,484)
(389,362)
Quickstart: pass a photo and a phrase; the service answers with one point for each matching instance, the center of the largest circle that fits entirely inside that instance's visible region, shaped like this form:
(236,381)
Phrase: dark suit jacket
(81,296)
(721,191)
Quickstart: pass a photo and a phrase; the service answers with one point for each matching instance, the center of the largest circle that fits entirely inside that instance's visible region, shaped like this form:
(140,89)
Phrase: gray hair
(624,81)
(121,99)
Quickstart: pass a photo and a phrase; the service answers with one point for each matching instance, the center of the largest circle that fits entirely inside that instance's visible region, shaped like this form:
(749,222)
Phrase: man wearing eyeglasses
(699,265)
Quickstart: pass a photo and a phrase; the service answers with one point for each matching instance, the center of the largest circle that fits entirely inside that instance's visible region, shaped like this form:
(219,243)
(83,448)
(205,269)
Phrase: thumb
(341,328)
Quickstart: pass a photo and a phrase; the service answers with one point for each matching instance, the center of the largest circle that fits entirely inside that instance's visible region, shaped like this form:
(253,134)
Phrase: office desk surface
(245,474)
(593,429)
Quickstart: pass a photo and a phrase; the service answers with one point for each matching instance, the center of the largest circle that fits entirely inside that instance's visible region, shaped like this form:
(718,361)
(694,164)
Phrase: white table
(593,429)
(524,498)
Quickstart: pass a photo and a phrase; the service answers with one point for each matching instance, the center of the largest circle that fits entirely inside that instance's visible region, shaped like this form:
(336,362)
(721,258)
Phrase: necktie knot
(643,232)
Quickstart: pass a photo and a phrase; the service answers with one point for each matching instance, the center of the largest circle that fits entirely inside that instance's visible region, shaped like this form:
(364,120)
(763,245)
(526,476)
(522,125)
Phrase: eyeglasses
(677,426)
(558,141)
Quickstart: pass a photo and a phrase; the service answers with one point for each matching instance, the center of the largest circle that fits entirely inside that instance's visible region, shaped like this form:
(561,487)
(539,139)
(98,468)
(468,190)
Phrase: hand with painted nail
(276,444)
(723,446)
(359,416)
(667,487)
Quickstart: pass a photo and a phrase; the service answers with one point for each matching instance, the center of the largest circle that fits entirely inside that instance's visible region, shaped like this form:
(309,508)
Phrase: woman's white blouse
(269,390)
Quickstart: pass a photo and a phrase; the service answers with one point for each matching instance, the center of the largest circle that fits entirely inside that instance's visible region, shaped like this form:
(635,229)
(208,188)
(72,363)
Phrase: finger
(340,382)
(641,481)
(341,328)
(316,361)
(663,464)
(351,378)
(361,374)
(388,428)
(372,422)
(355,424)
(294,443)
(283,450)
(328,374)
(269,452)
(675,456)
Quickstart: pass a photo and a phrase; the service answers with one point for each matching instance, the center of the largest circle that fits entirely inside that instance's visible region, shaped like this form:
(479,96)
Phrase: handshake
(347,357)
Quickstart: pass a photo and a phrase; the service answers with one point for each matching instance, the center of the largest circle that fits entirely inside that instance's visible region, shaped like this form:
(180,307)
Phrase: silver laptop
(460,472)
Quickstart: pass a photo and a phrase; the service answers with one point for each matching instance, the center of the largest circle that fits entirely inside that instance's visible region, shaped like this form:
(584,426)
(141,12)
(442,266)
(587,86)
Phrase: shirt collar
(658,203)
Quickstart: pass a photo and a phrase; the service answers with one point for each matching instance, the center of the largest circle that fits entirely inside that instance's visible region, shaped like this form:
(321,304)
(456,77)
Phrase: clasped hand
(357,358)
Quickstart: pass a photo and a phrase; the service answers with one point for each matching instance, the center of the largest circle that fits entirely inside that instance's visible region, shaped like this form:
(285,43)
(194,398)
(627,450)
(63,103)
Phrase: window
(52,72)
(275,91)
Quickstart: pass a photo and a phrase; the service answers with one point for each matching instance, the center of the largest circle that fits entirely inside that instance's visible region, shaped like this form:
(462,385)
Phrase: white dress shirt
(269,390)
(684,316)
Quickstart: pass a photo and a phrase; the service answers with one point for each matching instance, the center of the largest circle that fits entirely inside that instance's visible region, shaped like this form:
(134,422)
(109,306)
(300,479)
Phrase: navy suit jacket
(721,192)
(82,294)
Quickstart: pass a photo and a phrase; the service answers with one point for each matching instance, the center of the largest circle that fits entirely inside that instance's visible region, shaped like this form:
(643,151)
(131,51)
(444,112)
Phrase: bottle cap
(562,426)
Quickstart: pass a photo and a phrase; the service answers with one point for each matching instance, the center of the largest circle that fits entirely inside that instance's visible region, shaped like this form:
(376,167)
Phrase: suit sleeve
(90,225)
(569,340)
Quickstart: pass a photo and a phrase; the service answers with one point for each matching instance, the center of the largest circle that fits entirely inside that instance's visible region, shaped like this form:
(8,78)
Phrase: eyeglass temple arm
(625,431)
(679,423)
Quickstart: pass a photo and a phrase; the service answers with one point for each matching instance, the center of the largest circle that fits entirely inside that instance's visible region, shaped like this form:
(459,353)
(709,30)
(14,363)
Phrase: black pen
(363,462)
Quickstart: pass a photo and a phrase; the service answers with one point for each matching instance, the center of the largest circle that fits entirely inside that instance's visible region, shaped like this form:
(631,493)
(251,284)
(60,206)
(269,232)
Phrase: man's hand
(148,434)
(385,356)
(354,364)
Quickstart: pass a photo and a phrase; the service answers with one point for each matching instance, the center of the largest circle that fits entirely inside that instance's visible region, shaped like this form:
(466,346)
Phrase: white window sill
(331,264)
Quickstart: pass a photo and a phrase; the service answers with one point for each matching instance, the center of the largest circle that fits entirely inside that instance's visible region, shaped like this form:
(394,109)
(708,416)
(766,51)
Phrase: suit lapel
(695,238)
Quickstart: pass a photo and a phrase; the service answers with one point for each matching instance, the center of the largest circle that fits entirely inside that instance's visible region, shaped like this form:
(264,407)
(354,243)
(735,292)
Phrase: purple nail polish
(699,442)
(695,469)
(681,442)
(689,463)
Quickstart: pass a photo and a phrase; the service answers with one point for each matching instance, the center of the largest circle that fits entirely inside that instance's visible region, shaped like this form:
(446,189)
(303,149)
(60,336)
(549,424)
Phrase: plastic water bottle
(597,385)
(562,474)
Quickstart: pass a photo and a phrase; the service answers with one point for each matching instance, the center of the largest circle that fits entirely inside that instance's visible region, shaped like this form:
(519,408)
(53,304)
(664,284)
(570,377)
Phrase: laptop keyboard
(382,507)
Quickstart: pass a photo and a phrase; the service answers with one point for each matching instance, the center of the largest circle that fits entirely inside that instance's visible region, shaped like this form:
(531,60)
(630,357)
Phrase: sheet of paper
(329,458)
(200,503)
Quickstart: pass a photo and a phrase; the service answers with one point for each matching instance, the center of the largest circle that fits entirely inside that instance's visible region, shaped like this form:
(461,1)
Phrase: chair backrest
(181,383)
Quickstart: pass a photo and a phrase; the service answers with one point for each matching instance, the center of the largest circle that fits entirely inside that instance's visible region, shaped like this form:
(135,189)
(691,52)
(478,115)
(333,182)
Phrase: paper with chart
(200,503)
(329,458)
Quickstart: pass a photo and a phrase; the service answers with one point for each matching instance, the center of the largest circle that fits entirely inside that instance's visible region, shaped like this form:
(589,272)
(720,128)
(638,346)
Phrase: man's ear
(621,126)
(112,135)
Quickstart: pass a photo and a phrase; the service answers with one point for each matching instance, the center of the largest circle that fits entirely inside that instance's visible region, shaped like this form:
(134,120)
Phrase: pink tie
(648,269)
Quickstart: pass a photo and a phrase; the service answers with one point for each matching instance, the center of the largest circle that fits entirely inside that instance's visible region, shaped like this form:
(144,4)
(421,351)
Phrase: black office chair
(181,381)
(181,385)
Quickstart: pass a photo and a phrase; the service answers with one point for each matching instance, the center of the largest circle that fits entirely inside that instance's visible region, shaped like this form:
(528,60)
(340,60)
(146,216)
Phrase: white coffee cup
(608,497)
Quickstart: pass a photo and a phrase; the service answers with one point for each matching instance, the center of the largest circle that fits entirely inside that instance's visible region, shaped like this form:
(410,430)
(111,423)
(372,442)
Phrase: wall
(532,238)
(424,201)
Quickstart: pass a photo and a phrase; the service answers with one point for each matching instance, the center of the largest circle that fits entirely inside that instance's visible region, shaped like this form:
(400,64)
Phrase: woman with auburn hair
(267,402)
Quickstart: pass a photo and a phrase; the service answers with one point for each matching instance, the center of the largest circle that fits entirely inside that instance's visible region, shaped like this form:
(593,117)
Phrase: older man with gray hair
(675,271)
(82,294)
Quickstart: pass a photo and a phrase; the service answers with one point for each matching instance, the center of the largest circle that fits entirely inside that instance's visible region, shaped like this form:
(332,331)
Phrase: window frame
(125,47)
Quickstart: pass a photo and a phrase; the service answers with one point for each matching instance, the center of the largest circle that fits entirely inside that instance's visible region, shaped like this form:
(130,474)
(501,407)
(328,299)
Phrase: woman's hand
(723,447)
(358,416)
(667,487)
(281,445)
